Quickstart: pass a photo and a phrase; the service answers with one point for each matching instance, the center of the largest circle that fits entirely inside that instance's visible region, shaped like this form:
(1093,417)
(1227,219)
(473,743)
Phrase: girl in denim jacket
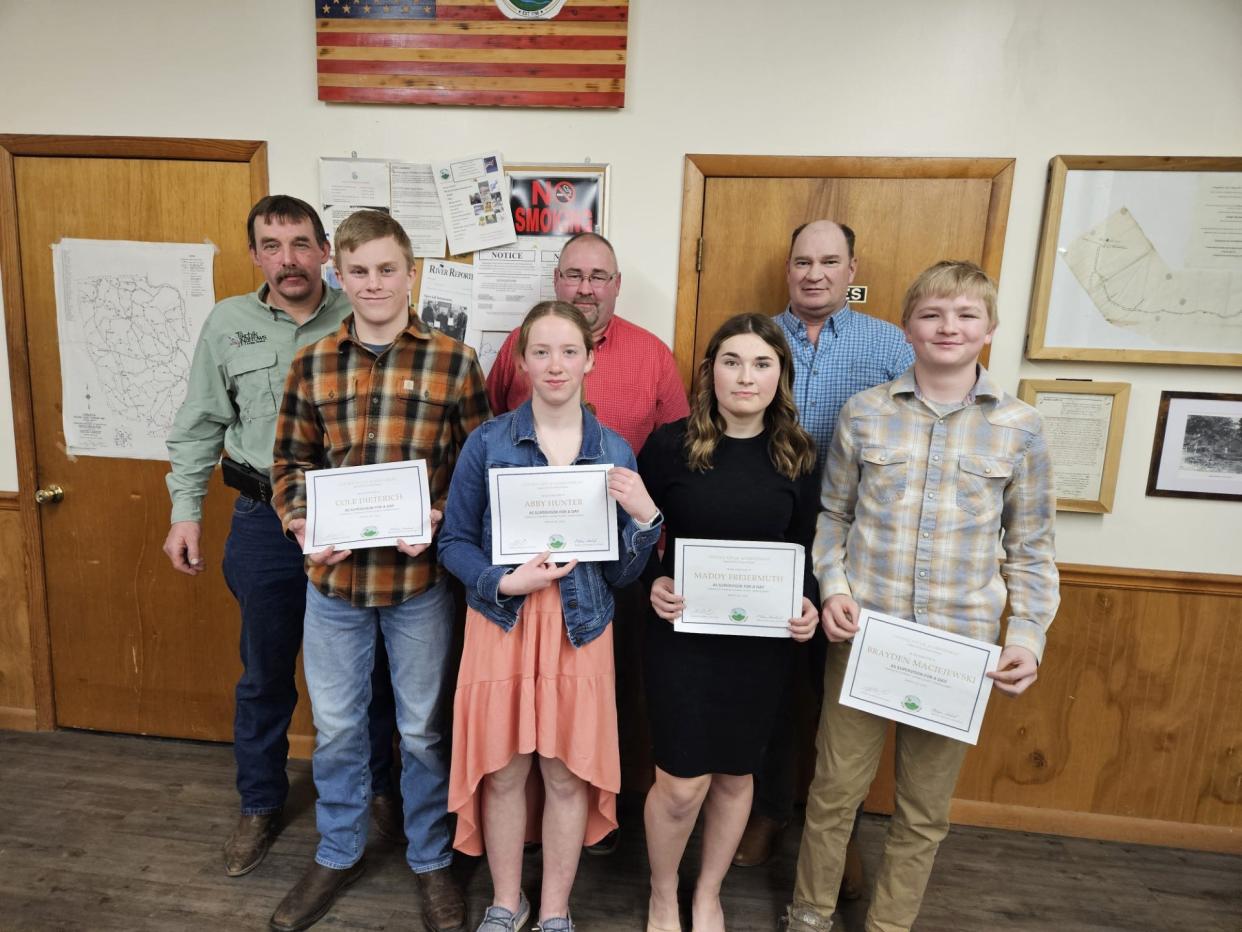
(536,674)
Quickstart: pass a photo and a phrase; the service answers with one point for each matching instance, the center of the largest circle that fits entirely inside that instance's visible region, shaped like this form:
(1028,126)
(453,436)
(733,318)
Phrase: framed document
(355,507)
(1139,261)
(565,510)
(738,586)
(1083,422)
(920,676)
(1197,450)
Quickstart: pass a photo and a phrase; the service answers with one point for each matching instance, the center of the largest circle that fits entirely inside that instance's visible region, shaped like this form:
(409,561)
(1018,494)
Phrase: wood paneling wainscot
(17,702)
(1134,730)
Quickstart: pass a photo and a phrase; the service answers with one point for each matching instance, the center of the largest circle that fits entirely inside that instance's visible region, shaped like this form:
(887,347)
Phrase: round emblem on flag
(530,9)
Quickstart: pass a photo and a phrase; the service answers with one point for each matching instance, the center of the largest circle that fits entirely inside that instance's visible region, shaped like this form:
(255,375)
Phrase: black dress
(713,699)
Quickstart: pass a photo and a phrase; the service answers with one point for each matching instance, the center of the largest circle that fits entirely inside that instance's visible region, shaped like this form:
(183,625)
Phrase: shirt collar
(523,430)
(265,289)
(416,330)
(838,321)
(984,387)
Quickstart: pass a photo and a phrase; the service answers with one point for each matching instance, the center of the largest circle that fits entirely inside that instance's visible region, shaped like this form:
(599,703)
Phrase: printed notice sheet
(128,316)
(509,281)
(738,586)
(356,507)
(406,190)
(474,202)
(920,676)
(564,510)
(1076,427)
(445,297)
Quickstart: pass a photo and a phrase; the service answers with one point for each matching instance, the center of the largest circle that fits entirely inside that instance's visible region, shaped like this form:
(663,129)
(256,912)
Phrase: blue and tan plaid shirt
(930,512)
(854,352)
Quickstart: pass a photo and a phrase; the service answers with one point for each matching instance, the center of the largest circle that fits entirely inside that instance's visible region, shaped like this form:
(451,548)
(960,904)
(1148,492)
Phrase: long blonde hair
(790,448)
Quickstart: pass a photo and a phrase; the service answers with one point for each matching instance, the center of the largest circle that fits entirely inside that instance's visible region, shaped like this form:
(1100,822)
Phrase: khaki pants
(848,748)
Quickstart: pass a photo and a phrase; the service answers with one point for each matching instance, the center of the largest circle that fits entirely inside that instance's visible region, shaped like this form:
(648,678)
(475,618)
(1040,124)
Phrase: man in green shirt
(235,386)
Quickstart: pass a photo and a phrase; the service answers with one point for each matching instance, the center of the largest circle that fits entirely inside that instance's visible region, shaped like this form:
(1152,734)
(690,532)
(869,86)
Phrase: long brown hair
(790,447)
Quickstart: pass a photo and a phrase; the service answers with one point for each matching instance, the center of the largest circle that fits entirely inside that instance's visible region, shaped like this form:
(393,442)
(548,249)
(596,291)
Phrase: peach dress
(528,691)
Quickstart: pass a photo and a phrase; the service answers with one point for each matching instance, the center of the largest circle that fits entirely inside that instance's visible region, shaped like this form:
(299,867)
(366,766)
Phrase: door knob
(53,493)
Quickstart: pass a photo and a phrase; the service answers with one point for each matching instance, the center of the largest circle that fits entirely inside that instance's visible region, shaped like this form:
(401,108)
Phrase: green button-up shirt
(236,380)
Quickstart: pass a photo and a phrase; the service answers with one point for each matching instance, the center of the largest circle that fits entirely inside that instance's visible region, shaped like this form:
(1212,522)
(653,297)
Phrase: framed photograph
(1084,422)
(551,202)
(1140,260)
(1197,451)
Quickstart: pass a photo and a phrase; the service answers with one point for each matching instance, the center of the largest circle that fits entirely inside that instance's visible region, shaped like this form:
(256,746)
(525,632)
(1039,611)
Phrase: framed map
(1140,260)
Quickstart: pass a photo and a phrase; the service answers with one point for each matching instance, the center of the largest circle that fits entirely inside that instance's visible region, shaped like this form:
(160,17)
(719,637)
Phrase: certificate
(367,506)
(565,510)
(920,676)
(738,586)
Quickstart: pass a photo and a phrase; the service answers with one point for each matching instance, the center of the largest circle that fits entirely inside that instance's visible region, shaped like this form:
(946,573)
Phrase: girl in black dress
(739,468)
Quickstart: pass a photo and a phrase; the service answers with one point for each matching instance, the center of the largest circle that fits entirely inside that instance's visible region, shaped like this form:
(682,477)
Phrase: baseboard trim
(1098,826)
(14,719)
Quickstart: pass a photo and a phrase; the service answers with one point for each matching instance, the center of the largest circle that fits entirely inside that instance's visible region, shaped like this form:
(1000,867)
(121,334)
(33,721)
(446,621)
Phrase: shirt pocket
(981,482)
(426,400)
(337,410)
(885,475)
(251,373)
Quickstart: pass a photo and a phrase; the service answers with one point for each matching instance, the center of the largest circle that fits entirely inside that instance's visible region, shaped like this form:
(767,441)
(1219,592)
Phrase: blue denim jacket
(465,541)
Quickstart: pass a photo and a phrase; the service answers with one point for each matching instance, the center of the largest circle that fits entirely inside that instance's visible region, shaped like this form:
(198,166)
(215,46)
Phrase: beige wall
(816,77)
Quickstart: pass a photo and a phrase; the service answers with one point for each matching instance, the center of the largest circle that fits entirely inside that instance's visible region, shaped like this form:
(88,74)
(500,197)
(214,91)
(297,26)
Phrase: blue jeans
(339,650)
(265,573)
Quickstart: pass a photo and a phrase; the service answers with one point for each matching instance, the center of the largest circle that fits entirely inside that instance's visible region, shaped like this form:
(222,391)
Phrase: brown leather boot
(249,841)
(757,841)
(389,817)
(444,909)
(312,896)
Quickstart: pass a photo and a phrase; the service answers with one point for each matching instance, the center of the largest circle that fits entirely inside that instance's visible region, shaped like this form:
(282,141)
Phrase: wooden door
(132,646)
(737,216)
(738,213)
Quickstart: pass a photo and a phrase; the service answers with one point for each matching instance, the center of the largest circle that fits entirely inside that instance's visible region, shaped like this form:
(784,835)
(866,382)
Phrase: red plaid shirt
(634,387)
(345,406)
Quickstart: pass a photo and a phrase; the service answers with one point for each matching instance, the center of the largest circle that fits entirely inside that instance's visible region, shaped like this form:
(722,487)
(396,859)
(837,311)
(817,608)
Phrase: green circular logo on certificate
(556,542)
(369,531)
(911,703)
(737,614)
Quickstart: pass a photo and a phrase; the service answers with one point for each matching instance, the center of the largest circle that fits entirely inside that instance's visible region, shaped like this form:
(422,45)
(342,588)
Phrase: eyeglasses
(597,279)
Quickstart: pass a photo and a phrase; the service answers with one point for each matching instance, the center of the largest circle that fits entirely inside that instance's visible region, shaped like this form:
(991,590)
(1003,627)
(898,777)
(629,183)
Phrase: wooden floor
(106,832)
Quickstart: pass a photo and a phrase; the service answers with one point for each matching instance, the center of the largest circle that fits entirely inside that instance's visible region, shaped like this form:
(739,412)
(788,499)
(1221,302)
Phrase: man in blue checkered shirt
(837,352)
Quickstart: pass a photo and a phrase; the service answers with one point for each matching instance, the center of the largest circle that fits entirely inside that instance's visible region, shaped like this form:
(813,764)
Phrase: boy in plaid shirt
(937,502)
(382,388)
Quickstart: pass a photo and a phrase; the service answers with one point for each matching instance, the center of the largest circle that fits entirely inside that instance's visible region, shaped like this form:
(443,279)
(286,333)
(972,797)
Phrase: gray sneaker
(556,924)
(803,919)
(499,919)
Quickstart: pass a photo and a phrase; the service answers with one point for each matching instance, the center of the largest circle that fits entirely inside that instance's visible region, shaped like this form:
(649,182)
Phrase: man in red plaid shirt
(634,387)
(383,388)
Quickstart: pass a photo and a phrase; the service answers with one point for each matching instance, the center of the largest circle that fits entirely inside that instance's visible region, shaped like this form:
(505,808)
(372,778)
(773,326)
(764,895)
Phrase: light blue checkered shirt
(854,352)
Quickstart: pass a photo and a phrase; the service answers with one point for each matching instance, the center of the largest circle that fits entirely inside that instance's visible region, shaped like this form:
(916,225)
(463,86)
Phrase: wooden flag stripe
(465,83)
(388,40)
(441,27)
(562,56)
(523,68)
(410,95)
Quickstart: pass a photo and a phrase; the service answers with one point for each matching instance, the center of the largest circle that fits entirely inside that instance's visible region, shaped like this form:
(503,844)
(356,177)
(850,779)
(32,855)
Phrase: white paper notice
(128,316)
(920,676)
(444,297)
(1076,427)
(474,200)
(347,185)
(508,282)
(416,206)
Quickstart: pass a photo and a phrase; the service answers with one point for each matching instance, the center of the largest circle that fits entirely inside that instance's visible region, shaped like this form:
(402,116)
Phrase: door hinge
(698,259)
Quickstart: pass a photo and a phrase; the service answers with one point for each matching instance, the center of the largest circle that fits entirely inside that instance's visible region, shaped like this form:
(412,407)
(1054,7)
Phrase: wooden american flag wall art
(468,52)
